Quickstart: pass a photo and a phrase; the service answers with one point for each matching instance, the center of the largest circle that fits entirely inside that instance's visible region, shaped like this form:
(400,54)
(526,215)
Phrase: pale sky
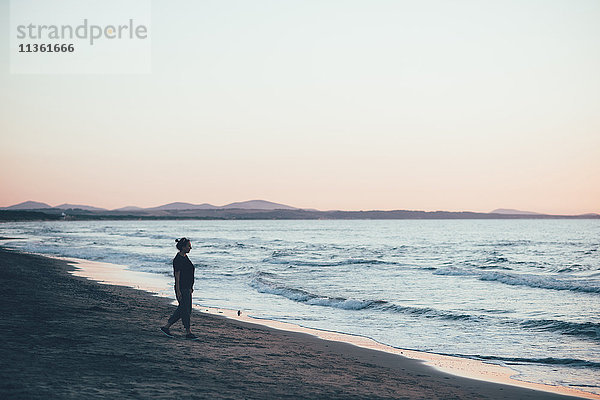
(429,105)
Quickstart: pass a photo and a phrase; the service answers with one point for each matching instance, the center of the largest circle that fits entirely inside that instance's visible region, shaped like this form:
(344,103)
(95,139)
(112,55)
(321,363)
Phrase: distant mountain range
(253,209)
(243,205)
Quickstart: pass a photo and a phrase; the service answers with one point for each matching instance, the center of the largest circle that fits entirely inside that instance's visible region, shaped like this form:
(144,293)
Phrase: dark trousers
(184,310)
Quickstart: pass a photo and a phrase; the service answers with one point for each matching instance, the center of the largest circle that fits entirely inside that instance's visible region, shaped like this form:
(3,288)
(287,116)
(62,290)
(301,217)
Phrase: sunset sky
(430,105)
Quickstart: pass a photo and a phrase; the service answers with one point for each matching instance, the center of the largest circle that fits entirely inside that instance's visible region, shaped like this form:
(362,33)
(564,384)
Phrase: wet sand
(69,337)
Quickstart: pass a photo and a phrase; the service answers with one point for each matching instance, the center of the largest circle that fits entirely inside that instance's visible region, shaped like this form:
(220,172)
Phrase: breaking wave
(302,296)
(588,330)
(571,362)
(534,281)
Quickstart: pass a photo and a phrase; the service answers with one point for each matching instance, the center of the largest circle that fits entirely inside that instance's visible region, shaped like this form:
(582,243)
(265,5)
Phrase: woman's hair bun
(181,242)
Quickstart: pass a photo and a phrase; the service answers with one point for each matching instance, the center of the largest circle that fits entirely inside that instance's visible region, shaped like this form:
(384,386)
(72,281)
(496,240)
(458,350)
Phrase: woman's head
(183,244)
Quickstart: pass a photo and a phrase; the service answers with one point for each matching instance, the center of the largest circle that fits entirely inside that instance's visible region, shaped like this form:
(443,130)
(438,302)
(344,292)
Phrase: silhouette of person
(183,270)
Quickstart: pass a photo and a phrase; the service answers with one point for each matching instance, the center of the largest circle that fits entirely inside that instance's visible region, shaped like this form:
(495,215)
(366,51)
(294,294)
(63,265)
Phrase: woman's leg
(175,316)
(186,309)
(178,313)
(183,311)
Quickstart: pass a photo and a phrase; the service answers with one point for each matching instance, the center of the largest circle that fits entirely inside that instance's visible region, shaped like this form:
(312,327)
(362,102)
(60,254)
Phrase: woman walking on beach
(183,269)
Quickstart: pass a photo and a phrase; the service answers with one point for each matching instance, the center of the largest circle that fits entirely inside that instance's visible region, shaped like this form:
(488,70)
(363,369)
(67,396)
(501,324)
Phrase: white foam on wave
(305,297)
(530,280)
(302,296)
(345,304)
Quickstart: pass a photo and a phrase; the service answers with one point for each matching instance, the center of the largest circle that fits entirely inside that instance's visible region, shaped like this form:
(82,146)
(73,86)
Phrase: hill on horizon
(513,211)
(129,208)
(28,205)
(67,206)
(259,205)
(178,205)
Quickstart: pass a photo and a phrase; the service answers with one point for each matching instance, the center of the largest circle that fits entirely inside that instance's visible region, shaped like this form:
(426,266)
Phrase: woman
(183,269)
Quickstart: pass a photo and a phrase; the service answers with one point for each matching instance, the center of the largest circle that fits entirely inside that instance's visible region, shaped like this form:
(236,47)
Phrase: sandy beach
(69,337)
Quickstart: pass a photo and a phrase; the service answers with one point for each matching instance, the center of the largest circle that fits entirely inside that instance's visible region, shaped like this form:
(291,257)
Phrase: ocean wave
(427,312)
(566,269)
(162,237)
(570,362)
(305,263)
(495,267)
(584,329)
(303,296)
(282,253)
(508,243)
(534,281)
(496,260)
(159,271)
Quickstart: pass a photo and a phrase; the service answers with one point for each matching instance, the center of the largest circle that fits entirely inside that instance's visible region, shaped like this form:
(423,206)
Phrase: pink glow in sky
(430,105)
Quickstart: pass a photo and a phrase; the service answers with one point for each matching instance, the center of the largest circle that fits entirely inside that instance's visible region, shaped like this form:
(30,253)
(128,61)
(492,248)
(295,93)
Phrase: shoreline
(113,274)
(69,336)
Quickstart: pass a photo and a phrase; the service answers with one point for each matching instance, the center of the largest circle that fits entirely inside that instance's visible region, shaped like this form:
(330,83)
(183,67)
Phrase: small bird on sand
(239,313)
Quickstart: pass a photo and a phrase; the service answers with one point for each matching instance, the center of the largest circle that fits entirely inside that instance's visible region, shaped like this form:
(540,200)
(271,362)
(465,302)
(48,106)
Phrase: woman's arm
(177,289)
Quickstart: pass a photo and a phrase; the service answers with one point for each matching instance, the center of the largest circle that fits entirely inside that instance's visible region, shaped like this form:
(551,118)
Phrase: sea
(521,293)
